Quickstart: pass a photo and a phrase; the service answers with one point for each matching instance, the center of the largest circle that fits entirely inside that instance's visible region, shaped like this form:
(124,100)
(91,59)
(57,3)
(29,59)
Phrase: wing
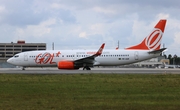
(89,61)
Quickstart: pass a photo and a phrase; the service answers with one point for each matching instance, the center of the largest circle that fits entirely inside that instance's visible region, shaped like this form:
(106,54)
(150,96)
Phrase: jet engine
(66,65)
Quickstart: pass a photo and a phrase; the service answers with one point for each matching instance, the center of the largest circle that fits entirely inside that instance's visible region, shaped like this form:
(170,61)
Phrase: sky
(86,24)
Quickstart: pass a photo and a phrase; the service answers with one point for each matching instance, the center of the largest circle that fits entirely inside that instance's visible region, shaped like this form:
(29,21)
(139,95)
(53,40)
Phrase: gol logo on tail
(154,40)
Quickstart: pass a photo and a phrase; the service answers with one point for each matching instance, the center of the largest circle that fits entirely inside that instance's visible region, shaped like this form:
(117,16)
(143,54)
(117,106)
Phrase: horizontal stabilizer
(157,51)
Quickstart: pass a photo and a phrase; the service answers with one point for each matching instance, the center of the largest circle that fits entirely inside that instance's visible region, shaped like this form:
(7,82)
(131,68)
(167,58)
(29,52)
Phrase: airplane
(75,59)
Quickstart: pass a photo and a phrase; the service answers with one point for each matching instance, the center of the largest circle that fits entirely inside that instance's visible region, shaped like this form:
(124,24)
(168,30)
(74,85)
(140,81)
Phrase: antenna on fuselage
(53,46)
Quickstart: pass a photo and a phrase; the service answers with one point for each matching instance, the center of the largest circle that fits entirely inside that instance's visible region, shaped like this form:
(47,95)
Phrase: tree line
(173,60)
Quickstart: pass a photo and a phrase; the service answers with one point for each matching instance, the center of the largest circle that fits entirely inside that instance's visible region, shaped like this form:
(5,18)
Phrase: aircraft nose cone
(10,60)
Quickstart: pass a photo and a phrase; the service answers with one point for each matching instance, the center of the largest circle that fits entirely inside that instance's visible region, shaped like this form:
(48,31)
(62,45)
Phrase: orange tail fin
(153,41)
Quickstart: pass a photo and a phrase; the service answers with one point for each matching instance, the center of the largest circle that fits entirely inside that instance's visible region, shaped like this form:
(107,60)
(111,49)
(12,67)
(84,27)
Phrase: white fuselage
(50,58)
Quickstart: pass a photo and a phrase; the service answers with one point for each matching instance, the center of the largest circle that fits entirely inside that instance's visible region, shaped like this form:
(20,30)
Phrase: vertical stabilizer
(153,41)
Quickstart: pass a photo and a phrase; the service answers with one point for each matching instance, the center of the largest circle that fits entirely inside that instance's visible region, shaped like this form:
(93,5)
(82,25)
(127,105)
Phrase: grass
(90,91)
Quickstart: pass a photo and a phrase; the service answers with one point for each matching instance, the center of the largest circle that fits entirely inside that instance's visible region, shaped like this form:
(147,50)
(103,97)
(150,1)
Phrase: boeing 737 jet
(75,59)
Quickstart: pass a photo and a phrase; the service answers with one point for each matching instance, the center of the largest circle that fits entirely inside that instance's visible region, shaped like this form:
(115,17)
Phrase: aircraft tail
(153,41)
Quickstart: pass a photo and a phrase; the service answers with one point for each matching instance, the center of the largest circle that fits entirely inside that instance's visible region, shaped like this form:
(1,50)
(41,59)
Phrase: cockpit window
(16,56)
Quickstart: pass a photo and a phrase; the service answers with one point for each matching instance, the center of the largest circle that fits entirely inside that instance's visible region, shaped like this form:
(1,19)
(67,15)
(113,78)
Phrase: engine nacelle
(66,65)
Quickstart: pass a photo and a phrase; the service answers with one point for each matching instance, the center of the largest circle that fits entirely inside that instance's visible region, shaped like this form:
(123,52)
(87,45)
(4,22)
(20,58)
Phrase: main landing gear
(86,68)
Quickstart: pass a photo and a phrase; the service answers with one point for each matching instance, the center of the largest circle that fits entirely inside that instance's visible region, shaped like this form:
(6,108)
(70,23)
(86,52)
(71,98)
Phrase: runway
(93,70)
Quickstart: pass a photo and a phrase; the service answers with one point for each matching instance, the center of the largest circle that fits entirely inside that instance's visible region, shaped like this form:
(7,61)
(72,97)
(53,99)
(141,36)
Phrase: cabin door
(25,56)
(136,55)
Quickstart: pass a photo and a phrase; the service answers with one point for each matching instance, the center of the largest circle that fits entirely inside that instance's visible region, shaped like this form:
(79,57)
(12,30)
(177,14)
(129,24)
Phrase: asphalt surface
(93,70)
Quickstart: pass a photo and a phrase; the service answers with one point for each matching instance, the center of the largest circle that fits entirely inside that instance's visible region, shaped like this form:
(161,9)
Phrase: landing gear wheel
(86,68)
(23,68)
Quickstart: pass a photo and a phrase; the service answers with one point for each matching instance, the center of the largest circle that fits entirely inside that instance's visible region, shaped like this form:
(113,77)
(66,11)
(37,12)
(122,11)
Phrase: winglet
(99,52)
